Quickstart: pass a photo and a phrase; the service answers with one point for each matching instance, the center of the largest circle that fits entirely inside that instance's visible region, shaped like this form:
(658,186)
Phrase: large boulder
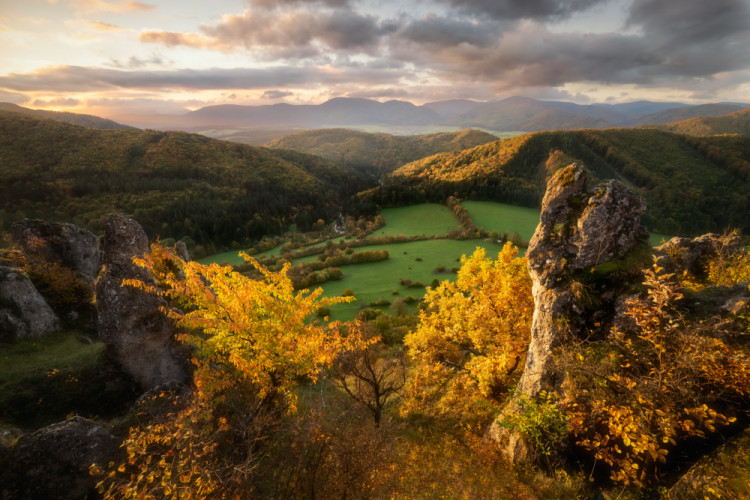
(130,319)
(54,461)
(68,244)
(23,311)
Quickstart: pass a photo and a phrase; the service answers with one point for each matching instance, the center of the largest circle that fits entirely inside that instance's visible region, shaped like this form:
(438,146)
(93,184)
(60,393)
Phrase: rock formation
(584,235)
(23,311)
(54,461)
(129,319)
(578,231)
(68,244)
(685,254)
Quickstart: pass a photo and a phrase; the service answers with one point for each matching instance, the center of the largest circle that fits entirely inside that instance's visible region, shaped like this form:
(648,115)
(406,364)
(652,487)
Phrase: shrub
(348,293)
(380,303)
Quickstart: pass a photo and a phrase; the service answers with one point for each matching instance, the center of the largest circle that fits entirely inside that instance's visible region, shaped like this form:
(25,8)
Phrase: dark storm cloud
(88,79)
(531,55)
(691,21)
(522,9)
(695,37)
(440,31)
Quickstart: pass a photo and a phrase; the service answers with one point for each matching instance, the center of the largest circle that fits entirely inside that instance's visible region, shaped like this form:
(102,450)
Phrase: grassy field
(377,280)
(428,218)
(233,258)
(501,217)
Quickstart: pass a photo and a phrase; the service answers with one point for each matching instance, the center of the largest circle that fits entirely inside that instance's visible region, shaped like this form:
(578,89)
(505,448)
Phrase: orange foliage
(253,343)
(471,337)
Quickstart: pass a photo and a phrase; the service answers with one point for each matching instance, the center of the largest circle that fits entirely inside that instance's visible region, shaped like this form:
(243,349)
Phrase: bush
(348,293)
(380,303)
(416,284)
(323,312)
(410,299)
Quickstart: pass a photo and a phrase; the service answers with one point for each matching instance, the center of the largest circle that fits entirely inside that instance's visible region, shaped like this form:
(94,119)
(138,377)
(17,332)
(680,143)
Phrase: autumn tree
(471,337)
(253,342)
(372,376)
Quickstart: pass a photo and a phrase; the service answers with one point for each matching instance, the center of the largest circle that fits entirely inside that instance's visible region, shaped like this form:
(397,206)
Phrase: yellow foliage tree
(253,343)
(471,338)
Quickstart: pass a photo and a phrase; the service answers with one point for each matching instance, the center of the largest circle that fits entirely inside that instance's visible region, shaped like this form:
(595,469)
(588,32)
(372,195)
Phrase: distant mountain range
(260,124)
(512,114)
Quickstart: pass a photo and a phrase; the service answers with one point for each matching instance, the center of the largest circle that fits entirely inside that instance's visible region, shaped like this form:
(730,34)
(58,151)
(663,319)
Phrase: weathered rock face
(684,254)
(582,235)
(129,319)
(182,251)
(54,461)
(579,230)
(68,244)
(23,311)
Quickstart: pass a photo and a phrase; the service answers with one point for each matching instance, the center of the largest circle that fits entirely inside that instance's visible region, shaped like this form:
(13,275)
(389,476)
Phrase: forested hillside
(691,185)
(377,154)
(733,123)
(175,184)
(75,118)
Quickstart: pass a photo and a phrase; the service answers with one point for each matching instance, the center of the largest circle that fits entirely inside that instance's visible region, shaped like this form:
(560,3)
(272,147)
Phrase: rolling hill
(175,184)
(733,123)
(90,121)
(691,185)
(377,154)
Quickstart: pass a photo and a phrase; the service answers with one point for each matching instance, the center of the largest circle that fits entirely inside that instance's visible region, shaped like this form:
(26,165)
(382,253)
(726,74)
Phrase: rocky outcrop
(716,475)
(68,244)
(685,254)
(54,461)
(23,311)
(579,231)
(130,319)
(182,252)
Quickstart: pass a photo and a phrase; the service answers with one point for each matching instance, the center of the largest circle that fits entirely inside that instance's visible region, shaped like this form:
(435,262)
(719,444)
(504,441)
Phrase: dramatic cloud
(276,94)
(440,31)
(287,35)
(87,79)
(522,9)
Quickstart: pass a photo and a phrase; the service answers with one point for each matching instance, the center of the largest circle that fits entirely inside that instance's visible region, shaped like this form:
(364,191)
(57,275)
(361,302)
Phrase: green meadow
(416,261)
(232,257)
(501,217)
(427,218)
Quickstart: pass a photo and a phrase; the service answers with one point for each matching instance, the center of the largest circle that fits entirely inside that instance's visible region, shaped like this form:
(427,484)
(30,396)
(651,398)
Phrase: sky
(118,57)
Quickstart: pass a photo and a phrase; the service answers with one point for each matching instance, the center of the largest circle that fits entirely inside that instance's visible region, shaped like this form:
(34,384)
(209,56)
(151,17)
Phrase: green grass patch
(501,217)
(376,280)
(427,219)
(45,380)
(34,357)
